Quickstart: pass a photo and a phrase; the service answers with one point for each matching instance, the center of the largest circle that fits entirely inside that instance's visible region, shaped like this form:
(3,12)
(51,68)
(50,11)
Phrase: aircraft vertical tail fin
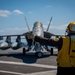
(49,23)
(27,24)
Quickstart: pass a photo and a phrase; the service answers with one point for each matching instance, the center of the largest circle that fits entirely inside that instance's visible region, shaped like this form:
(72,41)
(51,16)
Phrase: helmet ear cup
(67,30)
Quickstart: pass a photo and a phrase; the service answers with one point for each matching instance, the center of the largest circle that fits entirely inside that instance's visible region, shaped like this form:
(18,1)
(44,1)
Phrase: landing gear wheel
(39,54)
(24,51)
(51,51)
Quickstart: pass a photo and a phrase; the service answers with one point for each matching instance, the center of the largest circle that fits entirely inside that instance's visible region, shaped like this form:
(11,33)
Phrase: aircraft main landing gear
(51,51)
(24,51)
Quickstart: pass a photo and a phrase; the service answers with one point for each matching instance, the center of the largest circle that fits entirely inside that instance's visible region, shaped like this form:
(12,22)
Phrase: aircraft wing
(11,35)
(14,45)
(24,34)
(48,35)
(1,36)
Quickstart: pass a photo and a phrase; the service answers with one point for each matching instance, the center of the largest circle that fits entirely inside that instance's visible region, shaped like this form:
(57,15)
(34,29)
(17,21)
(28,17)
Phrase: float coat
(66,56)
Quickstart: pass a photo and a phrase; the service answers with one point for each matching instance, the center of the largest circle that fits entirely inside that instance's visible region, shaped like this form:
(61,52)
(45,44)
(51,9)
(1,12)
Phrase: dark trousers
(65,70)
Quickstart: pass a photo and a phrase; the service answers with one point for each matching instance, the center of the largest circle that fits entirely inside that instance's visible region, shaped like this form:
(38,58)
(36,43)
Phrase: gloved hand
(30,36)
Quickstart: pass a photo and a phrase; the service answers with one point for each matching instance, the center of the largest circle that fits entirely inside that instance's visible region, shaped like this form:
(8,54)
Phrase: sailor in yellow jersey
(66,49)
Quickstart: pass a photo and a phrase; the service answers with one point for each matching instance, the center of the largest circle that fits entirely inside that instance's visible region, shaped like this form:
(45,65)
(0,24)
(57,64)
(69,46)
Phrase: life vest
(66,56)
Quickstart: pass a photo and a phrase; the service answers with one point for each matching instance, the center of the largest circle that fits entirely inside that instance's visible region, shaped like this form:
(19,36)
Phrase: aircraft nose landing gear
(39,54)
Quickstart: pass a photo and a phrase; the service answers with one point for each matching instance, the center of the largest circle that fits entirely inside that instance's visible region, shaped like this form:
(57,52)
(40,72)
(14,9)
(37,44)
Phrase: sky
(12,13)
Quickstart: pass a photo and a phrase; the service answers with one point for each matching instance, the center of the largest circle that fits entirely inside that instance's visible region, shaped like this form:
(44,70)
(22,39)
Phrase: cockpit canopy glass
(37,24)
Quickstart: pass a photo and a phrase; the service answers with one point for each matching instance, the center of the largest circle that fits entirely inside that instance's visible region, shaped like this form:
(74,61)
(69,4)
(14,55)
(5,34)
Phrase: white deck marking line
(35,65)
(52,72)
(16,73)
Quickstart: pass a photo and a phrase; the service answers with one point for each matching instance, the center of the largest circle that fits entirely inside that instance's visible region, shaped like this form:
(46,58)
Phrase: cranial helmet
(71,28)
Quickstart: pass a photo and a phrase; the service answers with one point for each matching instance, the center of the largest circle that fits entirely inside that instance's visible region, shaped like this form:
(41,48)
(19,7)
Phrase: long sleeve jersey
(50,42)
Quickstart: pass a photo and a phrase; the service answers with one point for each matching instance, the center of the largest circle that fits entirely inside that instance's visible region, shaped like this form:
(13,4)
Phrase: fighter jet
(37,47)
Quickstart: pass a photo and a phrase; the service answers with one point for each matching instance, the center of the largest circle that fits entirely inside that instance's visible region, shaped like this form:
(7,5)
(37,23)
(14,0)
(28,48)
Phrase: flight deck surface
(14,63)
